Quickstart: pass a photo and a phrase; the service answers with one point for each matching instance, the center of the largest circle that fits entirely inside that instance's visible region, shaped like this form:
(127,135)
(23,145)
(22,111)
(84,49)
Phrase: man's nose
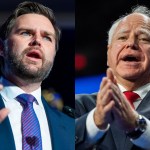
(36,40)
(132,43)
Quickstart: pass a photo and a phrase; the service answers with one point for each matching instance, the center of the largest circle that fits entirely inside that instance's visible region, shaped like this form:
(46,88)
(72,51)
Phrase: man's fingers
(111,76)
(103,83)
(105,93)
(3,114)
(102,88)
(109,107)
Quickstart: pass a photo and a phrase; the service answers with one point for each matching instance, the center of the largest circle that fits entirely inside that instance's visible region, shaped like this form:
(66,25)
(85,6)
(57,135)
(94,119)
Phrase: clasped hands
(112,106)
(3,112)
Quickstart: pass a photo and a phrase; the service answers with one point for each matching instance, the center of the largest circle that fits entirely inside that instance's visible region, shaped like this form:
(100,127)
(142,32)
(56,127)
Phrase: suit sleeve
(144,140)
(84,105)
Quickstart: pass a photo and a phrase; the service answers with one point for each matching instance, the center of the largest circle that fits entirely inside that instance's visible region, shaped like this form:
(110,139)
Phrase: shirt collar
(10,91)
(141,91)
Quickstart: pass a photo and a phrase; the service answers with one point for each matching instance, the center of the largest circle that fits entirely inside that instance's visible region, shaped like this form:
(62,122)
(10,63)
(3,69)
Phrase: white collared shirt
(94,133)
(142,91)
(9,93)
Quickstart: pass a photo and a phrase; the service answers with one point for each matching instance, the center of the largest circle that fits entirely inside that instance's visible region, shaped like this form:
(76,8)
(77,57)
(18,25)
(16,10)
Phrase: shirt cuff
(144,140)
(93,132)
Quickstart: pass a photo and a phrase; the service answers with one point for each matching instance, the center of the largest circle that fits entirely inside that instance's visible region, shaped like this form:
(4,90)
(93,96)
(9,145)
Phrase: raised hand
(105,104)
(112,105)
(124,115)
(3,114)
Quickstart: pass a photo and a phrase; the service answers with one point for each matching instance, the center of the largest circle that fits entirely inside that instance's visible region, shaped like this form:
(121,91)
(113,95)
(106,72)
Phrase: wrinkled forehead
(134,21)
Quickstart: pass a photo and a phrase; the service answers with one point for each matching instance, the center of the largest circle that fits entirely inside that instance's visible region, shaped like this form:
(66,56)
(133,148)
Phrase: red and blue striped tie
(31,134)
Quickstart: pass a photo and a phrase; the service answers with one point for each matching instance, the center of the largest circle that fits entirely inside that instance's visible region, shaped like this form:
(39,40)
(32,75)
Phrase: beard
(15,63)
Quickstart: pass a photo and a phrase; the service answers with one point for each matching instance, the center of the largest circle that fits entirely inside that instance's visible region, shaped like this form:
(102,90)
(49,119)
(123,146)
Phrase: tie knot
(131,96)
(26,99)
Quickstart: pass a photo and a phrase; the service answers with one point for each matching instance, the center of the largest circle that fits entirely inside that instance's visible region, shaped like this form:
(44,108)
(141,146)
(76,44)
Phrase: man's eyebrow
(143,31)
(48,33)
(23,28)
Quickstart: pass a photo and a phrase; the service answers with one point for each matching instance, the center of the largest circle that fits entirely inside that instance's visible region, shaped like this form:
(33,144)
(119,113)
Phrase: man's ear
(1,48)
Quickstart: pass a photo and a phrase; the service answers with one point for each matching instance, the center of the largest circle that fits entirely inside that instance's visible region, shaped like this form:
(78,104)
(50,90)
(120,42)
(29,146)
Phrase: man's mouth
(34,54)
(131,58)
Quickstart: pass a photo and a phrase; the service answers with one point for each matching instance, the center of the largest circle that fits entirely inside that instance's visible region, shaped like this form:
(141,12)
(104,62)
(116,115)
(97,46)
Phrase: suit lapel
(144,107)
(57,130)
(6,135)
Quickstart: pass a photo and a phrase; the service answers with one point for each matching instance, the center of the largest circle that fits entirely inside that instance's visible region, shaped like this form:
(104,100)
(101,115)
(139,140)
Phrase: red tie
(131,96)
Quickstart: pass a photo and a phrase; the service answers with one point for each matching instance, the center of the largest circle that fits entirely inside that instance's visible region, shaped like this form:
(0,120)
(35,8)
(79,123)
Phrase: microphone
(31,141)
(69,111)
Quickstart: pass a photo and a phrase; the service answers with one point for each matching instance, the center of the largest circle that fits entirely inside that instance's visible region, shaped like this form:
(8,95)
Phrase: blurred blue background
(88,84)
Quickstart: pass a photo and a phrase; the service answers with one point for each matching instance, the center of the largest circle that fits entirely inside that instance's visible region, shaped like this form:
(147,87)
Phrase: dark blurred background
(93,20)
(58,88)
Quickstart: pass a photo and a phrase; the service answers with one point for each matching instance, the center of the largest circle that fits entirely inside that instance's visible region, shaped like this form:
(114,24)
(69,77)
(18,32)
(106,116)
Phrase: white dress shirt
(94,133)
(9,93)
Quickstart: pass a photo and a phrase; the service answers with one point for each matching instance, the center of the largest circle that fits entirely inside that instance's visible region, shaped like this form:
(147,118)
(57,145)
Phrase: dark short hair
(28,7)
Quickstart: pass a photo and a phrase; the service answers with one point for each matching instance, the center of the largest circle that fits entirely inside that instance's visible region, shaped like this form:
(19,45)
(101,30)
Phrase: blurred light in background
(88,84)
(80,62)
(53,98)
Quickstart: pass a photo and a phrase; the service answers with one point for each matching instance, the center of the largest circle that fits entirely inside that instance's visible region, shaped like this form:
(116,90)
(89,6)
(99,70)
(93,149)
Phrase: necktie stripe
(31,135)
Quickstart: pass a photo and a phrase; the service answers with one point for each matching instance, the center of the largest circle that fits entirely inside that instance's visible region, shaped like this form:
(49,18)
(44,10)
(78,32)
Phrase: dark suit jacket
(114,139)
(61,128)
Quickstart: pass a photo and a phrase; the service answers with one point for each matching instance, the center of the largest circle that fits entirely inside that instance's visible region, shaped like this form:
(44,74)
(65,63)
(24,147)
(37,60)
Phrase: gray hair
(137,9)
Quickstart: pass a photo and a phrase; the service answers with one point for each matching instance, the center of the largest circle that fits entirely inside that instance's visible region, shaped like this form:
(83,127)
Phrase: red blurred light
(80,62)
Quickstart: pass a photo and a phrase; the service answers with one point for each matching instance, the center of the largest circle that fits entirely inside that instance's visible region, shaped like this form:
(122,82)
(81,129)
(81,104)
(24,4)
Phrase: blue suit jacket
(61,128)
(114,139)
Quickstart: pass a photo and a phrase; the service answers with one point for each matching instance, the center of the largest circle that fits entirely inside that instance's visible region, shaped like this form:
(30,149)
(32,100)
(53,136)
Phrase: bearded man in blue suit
(28,45)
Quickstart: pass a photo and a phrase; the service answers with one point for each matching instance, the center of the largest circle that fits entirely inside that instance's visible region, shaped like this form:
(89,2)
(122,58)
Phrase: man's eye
(122,38)
(25,33)
(47,38)
(144,39)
